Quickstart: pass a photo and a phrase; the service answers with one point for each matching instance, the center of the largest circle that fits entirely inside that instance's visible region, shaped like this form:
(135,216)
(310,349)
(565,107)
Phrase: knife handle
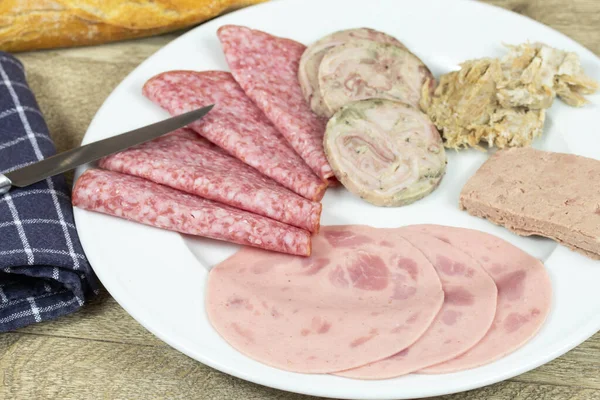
(5,184)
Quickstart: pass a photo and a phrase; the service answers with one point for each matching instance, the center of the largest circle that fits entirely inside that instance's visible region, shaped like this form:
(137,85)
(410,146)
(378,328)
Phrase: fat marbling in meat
(236,125)
(149,203)
(266,67)
(185,161)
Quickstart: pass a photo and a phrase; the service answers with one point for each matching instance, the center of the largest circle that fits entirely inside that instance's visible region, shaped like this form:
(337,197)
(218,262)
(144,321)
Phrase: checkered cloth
(43,271)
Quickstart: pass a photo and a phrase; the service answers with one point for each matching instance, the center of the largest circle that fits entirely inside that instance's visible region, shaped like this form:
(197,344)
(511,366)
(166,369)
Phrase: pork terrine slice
(534,192)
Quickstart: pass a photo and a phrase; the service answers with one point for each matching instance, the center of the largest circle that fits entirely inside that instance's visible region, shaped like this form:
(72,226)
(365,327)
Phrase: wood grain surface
(100,352)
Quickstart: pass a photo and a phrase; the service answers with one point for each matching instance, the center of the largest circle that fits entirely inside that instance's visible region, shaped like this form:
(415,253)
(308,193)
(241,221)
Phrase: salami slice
(149,203)
(185,161)
(363,69)
(524,294)
(236,125)
(266,67)
(354,301)
(466,315)
(308,72)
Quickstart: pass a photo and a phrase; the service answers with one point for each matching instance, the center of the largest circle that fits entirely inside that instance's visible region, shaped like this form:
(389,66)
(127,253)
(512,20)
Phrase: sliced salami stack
(266,67)
(149,203)
(185,161)
(245,184)
(236,125)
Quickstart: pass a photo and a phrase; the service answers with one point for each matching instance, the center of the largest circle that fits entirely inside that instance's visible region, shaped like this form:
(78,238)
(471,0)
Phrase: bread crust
(43,24)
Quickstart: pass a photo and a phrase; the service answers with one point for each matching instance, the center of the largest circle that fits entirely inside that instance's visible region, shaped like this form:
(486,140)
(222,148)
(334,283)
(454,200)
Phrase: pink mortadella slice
(185,161)
(266,67)
(524,294)
(362,296)
(236,125)
(149,203)
(466,315)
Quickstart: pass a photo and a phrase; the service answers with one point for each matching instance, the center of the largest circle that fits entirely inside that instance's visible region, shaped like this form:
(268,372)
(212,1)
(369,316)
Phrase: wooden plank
(525,391)
(578,19)
(61,368)
(579,367)
(127,51)
(102,319)
(70,90)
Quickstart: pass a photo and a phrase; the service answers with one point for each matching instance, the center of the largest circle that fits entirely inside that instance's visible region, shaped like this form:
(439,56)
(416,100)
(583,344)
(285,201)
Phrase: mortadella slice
(185,161)
(308,72)
(524,294)
(236,125)
(266,67)
(363,295)
(466,315)
(149,203)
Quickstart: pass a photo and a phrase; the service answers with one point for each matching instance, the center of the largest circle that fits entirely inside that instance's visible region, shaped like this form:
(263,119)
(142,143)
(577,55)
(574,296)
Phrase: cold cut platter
(381,204)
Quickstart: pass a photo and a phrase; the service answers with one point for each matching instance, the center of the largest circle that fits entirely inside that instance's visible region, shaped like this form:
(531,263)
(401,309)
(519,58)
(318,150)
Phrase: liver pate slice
(533,192)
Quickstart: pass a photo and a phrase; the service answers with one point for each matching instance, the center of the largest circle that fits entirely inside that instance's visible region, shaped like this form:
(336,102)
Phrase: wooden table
(101,352)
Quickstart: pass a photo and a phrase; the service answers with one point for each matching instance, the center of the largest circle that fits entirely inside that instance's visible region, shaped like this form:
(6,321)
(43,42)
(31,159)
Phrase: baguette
(43,24)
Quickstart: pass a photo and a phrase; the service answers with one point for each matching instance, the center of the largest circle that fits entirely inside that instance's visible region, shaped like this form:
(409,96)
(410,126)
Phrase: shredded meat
(502,102)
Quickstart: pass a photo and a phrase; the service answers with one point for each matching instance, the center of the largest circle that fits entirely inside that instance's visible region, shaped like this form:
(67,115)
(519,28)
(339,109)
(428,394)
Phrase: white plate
(159,277)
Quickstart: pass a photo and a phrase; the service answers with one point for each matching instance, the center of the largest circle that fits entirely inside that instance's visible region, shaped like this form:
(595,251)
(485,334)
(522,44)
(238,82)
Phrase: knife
(70,159)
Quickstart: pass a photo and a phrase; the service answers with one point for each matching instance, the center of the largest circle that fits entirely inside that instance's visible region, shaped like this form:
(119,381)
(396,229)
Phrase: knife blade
(70,159)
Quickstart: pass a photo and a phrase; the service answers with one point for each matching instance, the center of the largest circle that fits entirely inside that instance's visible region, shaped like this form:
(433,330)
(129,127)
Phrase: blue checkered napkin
(43,271)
